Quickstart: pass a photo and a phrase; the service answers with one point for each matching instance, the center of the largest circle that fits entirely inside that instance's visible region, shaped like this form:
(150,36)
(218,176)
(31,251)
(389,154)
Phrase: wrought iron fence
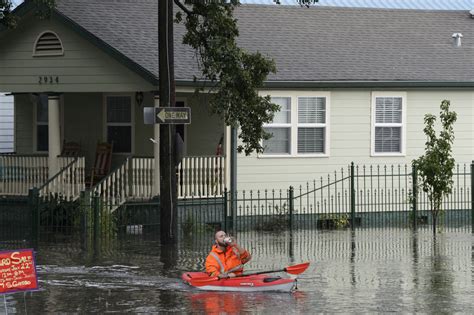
(353,197)
(15,222)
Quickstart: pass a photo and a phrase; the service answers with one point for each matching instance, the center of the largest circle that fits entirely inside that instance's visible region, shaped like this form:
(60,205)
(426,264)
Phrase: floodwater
(372,270)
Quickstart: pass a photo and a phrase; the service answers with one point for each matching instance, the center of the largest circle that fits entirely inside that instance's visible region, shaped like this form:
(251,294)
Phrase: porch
(131,180)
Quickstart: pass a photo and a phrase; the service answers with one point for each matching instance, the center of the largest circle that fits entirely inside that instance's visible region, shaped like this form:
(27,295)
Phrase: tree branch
(183,7)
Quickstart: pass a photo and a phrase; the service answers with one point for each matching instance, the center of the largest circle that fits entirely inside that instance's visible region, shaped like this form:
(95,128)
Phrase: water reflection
(361,271)
(440,278)
(240,302)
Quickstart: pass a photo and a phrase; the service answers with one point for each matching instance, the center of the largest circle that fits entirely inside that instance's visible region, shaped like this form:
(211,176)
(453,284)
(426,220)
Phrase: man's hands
(226,275)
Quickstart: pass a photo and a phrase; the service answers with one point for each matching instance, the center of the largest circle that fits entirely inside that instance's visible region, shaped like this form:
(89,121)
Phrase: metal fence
(353,197)
(357,196)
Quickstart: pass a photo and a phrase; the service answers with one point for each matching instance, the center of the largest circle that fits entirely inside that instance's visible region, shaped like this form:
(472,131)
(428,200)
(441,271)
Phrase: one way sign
(167,115)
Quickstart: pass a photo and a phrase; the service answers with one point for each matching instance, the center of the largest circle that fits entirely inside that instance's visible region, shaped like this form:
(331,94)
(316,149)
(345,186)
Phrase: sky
(395,4)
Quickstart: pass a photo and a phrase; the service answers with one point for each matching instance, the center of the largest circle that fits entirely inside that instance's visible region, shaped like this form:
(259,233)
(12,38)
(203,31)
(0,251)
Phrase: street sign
(167,115)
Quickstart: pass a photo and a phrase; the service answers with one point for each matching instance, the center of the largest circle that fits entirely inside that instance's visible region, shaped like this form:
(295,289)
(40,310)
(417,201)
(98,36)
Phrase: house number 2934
(48,79)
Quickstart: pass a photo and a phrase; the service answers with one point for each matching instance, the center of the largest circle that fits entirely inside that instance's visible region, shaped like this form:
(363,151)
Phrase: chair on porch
(102,163)
(70,149)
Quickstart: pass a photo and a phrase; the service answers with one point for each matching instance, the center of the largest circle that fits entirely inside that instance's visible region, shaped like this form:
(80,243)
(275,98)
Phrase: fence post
(85,202)
(353,205)
(291,206)
(96,214)
(35,216)
(414,176)
(472,196)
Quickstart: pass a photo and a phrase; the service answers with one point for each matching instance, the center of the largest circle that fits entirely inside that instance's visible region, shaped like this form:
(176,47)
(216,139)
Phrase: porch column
(54,136)
(156,151)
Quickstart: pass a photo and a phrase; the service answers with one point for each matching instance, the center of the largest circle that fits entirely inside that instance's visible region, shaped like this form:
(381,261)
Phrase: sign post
(17,271)
(167,115)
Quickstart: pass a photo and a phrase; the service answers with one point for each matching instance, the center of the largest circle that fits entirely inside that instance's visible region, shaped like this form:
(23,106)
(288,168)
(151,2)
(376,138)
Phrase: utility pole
(168,197)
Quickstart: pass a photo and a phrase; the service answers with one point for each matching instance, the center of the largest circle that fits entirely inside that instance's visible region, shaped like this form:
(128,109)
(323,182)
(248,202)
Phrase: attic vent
(48,44)
(457,39)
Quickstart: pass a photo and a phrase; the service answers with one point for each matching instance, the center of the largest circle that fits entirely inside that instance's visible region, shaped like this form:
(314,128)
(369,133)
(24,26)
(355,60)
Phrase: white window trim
(294,96)
(403,125)
(132,120)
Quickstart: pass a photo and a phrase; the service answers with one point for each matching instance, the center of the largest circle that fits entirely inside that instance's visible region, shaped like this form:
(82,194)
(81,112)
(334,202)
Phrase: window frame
(36,124)
(294,124)
(402,125)
(106,124)
(282,125)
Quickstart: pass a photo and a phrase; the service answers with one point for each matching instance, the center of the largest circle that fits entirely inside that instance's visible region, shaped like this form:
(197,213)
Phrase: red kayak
(250,283)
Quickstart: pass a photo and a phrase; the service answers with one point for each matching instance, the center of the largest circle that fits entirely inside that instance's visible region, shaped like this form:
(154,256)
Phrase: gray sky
(402,4)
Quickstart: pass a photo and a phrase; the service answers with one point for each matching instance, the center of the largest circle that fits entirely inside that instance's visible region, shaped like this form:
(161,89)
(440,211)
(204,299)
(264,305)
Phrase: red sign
(17,271)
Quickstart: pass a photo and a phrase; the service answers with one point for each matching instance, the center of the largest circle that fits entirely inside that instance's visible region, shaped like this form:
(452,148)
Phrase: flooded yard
(369,270)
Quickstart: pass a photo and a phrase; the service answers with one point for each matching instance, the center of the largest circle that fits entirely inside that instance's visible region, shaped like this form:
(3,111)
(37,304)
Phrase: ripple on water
(369,271)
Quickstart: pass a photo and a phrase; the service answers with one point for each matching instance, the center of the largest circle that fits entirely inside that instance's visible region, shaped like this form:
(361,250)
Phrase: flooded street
(386,270)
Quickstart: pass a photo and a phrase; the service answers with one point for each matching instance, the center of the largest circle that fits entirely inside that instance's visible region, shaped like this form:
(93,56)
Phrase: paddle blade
(297,269)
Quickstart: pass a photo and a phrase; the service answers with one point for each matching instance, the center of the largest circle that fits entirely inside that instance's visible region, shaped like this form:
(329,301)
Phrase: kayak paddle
(294,270)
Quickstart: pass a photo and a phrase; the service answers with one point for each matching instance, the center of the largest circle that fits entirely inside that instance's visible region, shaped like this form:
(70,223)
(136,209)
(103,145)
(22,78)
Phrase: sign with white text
(167,115)
(17,271)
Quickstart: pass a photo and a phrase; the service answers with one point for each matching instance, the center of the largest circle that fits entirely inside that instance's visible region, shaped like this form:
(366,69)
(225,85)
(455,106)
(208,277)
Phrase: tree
(7,19)
(234,74)
(436,166)
(234,77)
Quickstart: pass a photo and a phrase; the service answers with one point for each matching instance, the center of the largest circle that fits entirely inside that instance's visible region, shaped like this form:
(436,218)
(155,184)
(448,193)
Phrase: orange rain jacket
(226,261)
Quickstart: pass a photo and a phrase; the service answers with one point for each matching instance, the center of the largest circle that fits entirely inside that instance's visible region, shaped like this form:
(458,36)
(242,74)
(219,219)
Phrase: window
(311,125)
(119,123)
(387,128)
(299,128)
(280,129)
(42,123)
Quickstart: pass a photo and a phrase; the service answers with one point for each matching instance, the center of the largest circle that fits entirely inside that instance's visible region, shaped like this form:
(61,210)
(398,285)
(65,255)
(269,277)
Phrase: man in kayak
(227,258)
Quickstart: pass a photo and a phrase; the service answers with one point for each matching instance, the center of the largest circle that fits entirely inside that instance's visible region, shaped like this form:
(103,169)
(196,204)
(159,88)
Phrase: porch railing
(18,173)
(197,176)
(201,176)
(113,190)
(69,182)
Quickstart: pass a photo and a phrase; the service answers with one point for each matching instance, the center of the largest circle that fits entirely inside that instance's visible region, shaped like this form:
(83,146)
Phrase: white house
(353,84)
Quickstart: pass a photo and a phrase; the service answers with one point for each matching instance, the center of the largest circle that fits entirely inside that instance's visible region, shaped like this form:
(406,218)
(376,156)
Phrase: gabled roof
(311,46)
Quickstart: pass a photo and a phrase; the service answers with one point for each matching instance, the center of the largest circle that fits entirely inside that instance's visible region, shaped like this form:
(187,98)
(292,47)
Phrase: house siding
(82,121)
(205,130)
(350,138)
(83,68)
(6,123)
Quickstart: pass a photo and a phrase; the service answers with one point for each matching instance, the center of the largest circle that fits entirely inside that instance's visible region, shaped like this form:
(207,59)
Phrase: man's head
(219,237)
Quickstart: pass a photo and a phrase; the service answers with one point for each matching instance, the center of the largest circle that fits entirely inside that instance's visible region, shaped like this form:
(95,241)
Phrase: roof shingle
(308,44)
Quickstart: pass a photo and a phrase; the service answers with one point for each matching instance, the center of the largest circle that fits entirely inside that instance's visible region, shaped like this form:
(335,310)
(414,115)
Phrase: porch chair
(71,149)
(102,163)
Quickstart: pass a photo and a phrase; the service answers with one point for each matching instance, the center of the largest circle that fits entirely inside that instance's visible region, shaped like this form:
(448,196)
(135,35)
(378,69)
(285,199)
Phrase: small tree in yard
(436,166)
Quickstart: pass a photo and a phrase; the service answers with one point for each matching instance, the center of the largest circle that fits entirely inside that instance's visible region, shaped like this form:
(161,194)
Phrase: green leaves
(43,9)
(436,166)
(235,74)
